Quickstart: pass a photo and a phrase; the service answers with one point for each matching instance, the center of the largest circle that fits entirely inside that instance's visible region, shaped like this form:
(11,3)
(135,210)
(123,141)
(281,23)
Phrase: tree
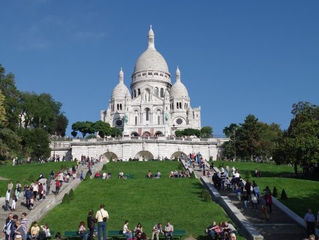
(300,143)
(102,128)
(83,127)
(206,132)
(9,144)
(115,132)
(12,98)
(61,125)
(35,143)
(3,118)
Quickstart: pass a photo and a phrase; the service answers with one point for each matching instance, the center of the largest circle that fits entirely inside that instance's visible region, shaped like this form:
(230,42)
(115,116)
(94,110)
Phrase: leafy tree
(12,98)
(83,127)
(206,132)
(61,125)
(9,144)
(179,133)
(35,143)
(115,132)
(102,128)
(300,143)
(3,118)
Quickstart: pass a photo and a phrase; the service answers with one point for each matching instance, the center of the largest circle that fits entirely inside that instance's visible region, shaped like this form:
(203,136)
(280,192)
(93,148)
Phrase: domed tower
(182,115)
(151,68)
(118,104)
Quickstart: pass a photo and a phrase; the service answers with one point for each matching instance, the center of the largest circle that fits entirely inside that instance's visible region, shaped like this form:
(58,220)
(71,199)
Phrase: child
(14,202)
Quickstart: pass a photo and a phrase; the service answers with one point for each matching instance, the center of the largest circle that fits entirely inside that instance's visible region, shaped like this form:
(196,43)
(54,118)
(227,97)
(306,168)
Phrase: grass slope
(25,173)
(140,200)
(302,194)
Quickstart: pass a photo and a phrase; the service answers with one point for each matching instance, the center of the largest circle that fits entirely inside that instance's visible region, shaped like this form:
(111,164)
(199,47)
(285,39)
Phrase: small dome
(151,59)
(120,91)
(179,90)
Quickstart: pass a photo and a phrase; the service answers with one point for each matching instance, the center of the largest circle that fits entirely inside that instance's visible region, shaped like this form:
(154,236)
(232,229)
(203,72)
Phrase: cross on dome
(121,75)
(178,74)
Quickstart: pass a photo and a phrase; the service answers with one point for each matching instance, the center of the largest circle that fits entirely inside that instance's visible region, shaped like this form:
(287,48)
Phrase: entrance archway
(134,134)
(179,155)
(146,134)
(159,134)
(109,156)
(144,156)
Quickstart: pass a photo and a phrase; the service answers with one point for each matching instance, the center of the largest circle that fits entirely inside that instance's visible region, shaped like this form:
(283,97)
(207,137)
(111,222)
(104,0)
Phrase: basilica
(153,106)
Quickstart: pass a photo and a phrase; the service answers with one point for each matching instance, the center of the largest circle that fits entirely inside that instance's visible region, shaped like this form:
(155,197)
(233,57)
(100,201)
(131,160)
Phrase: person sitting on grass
(138,229)
(168,230)
(158,174)
(171,174)
(126,231)
(149,174)
(97,175)
(210,230)
(121,175)
(156,231)
(34,231)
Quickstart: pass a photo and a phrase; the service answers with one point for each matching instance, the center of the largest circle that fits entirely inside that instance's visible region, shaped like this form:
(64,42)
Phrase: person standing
(310,221)
(7,200)
(25,224)
(101,216)
(7,226)
(90,223)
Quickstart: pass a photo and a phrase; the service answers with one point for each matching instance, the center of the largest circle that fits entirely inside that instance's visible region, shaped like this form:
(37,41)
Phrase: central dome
(151,64)
(151,60)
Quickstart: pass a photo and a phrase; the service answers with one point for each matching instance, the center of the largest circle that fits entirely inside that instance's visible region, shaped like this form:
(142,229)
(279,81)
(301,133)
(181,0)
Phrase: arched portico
(159,133)
(146,134)
(134,134)
(109,156)
(144,156)
(178,155)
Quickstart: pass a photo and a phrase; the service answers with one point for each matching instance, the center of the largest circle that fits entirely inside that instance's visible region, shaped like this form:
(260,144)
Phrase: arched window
(139,92)
(156,91)
(135,120)
(147,114)
(159,120)
(134,93)
(121,106)
(177,105)
(180,105)
(117,107)
(162,92)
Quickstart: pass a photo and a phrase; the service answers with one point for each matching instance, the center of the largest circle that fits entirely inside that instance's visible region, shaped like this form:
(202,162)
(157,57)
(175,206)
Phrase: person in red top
(269,201)
(57,187)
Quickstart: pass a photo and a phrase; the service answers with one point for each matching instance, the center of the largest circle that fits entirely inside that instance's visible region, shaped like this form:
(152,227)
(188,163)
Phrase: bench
(51,235)
(71,234)
(177,234)
(116,234)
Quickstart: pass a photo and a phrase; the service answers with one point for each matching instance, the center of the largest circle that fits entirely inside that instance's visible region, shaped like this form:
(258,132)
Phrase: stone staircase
(42,207)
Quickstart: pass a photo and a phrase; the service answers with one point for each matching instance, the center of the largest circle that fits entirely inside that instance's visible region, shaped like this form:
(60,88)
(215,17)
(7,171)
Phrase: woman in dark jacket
(90,223)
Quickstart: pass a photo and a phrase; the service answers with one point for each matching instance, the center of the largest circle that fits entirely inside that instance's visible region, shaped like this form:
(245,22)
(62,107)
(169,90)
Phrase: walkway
(51,200)
(280,226)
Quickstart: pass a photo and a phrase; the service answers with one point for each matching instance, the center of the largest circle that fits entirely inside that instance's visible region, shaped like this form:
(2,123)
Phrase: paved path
(280,226)
(42,206)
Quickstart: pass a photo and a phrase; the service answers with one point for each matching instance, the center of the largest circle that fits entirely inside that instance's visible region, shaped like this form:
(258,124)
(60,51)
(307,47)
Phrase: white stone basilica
(154,107)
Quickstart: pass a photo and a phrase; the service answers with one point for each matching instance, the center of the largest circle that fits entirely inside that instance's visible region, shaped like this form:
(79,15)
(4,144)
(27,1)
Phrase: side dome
(178,89)
(120,91)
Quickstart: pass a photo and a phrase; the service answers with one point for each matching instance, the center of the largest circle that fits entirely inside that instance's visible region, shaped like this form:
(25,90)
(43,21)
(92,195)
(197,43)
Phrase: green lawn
(139,199)
(302,194)
(26,172)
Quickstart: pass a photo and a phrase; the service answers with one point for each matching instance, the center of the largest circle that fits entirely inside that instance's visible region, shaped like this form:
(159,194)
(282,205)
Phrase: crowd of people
(36,190)
(222,231)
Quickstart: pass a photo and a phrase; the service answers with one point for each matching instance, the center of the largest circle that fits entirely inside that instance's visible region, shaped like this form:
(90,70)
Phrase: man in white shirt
(101,216)
(157,229)
(168,231)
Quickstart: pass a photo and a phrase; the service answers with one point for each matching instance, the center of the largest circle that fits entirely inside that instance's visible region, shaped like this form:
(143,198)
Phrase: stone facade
(143,149)
(153,107)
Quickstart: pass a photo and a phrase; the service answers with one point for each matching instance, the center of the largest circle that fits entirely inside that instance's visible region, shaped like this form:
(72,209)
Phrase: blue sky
(236,57)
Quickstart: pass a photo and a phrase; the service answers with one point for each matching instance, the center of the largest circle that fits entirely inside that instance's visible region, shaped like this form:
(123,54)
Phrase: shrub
(274,192)
(206,196)
(71,194)
(283,195)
